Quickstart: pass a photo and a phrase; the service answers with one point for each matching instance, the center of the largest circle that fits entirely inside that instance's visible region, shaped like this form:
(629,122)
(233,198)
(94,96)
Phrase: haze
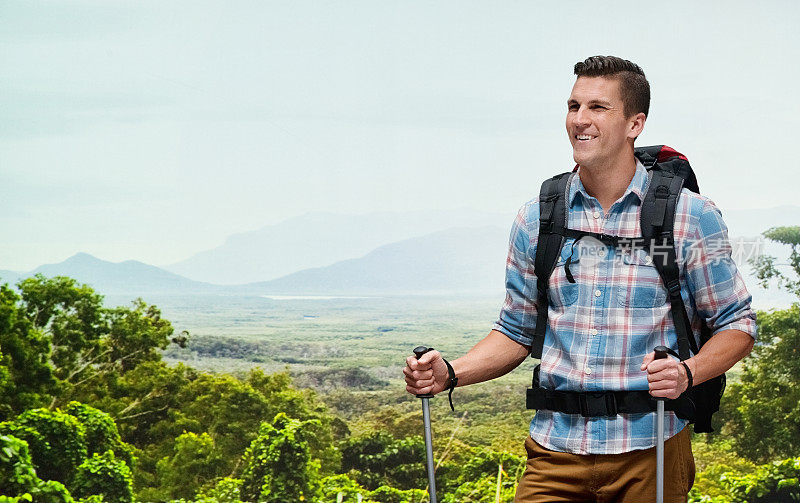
(153,130)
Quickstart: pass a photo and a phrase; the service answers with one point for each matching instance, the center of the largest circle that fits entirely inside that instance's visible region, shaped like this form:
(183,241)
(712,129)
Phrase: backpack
(669,172)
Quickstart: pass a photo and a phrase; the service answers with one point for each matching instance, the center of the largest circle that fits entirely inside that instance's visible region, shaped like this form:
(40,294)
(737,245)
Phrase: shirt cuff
(519,339)
(746,325)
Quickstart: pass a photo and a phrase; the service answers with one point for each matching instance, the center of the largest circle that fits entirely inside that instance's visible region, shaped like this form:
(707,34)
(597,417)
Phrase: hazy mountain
(319,239)
(129,277)
(462,260)
(468,259)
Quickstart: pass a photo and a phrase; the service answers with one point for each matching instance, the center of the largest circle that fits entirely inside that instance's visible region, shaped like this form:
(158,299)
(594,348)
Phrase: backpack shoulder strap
(552,217)
(669,173)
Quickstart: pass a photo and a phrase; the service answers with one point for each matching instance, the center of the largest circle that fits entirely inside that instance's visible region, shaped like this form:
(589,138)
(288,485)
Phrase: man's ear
(637,125)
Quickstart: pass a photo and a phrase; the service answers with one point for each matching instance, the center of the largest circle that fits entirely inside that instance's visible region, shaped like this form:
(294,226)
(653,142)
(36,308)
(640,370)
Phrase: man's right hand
(495,355)
(426,375)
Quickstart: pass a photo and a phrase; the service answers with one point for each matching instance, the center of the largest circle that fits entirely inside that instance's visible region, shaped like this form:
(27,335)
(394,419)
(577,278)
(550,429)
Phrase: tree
(16,468)
(104,475)
(386,494)
(18,479)
(231,410)
(58,452)
(773,483)
(776,482)
(60,329)
(57,442)
(196,462)
(278,467)
(478,491)
(155,403)
(101,432)
(147,403)
(767,268)
(762,411)
(335,484)
(70,315)
(226,490)
(26,377)
(714,456)
(137,335)
(478,478)
(378,459)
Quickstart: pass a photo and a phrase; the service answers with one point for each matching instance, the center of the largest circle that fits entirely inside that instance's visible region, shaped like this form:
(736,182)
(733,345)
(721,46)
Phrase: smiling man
(593,436)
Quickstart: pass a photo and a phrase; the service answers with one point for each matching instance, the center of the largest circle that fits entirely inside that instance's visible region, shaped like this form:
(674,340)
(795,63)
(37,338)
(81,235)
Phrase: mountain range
(128,277)
(317,240)
(322,239)
(462,259)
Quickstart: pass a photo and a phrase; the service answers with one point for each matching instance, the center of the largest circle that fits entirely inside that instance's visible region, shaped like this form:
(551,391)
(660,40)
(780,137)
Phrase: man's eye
(572,107)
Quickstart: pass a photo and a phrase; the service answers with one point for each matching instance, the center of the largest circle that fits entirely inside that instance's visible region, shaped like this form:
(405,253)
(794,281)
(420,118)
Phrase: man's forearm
(719,354)
(495,355)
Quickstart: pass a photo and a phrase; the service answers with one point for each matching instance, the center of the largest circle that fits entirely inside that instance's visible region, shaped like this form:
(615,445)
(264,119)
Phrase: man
(607,313)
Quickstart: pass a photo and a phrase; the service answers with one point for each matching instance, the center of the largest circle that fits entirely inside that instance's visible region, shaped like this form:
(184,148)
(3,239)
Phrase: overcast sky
(153,130)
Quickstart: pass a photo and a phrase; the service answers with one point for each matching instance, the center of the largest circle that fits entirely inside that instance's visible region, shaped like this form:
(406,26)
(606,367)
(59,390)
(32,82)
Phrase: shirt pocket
(562,292)
(639,284)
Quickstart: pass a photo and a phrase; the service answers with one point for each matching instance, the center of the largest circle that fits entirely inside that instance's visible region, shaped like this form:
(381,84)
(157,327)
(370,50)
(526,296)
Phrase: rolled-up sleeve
(720,294)
(518,315)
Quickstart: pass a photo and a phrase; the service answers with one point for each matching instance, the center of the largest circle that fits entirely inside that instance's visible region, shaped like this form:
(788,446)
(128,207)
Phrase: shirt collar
(637,186)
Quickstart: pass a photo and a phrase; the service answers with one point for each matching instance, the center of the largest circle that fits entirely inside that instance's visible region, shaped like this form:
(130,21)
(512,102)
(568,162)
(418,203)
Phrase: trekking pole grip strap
(452,383)
(688,375)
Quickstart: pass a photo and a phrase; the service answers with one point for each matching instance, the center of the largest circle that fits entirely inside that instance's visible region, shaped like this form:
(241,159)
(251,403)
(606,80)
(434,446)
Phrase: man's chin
(580,158)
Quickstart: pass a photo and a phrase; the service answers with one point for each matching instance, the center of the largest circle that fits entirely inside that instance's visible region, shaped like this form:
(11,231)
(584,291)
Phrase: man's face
(596,122)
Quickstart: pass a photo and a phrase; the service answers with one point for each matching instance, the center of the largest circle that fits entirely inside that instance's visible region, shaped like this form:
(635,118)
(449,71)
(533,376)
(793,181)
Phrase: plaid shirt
(601,326)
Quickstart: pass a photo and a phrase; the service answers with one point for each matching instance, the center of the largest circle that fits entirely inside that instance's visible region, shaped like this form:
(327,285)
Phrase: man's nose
(580,117)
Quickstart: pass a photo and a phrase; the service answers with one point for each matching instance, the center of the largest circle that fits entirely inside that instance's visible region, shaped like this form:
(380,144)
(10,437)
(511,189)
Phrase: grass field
(328,342)
(352,350)
(373,334)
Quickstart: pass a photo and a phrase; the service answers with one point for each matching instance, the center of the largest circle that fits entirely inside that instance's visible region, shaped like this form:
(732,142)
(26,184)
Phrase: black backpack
(669,172)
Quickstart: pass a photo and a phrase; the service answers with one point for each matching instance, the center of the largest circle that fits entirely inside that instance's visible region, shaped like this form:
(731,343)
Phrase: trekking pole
(660,352)
(426,421)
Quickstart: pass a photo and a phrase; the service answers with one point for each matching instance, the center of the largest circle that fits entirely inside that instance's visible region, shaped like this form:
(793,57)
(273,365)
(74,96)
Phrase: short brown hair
(633,85)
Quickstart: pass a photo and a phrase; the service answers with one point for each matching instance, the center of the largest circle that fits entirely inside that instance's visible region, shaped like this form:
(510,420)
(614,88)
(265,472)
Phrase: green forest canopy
(90,412)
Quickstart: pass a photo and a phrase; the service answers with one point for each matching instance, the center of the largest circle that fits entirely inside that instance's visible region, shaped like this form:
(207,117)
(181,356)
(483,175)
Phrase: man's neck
(608,183)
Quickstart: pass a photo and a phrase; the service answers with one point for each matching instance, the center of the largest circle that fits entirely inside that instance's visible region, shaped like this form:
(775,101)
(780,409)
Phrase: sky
(153,130)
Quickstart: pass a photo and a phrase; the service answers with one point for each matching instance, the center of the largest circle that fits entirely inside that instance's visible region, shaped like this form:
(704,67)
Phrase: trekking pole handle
(661,352)
(418,352)
(421,350)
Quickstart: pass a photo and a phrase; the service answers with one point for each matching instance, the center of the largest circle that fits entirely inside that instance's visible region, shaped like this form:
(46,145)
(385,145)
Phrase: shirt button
(648,260)
(597,293)
(587,370)
(594,331)
(596,214)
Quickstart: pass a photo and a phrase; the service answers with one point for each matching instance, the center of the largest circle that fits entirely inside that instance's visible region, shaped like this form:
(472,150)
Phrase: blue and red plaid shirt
(601,326)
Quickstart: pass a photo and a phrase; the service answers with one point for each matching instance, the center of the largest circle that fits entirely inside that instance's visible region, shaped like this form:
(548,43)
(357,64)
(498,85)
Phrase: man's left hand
(666,376)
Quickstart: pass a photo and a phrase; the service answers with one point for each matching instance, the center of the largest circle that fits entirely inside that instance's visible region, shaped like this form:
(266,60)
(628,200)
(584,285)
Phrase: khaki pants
(629,477)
